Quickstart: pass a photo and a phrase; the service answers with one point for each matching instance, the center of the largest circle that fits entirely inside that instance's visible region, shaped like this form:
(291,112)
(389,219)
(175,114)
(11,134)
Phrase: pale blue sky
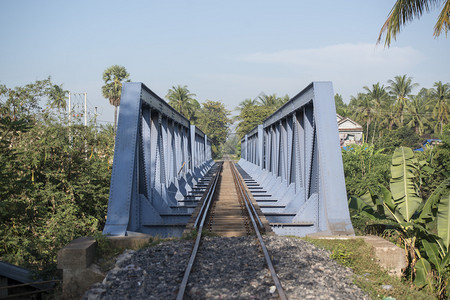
(222,50)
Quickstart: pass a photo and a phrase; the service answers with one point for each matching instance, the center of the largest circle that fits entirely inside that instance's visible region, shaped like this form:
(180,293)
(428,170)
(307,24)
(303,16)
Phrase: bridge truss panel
(157,158)
(295,155)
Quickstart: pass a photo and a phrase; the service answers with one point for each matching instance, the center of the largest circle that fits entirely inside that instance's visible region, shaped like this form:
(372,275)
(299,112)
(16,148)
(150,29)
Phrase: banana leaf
(367,199)
(432,251)
(446,260)
(362,207)
(387,197)
(443,219)
(403,188)
(430,208)
(423,269)
(356,203)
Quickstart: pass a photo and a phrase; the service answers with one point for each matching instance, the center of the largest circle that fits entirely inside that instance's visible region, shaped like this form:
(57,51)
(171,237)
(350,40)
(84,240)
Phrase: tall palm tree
(246,103)
(418,120)
(182,100)
(364,110)
(440,94)
(272,101)
(389,116)
(401,87)
(113,77)
(406,10)
(378,95)
(57,96)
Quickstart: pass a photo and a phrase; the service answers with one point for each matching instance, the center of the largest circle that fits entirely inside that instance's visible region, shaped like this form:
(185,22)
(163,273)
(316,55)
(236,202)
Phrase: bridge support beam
(158,158)
(295,156)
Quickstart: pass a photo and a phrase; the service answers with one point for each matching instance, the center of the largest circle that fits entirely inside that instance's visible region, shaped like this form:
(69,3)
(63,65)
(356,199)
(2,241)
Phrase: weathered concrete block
(77,281)
(389,256)
(80,253)
(129,242)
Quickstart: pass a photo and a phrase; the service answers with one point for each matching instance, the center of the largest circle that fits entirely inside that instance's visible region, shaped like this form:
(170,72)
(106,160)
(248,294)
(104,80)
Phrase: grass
(369,276)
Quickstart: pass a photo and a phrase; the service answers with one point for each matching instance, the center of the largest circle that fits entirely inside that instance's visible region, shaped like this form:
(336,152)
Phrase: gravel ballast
(228,268)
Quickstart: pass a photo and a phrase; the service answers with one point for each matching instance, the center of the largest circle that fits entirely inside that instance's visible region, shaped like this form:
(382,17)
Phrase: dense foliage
(382,109)
(213,121)
(254,112)
(54,178)
(211,117)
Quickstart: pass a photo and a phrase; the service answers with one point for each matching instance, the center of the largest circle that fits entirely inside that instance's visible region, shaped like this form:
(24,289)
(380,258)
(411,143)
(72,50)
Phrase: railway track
(227,210)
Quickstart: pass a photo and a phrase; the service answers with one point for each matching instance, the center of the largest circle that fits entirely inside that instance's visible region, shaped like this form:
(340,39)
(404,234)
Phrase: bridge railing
(158,158)
(295,155)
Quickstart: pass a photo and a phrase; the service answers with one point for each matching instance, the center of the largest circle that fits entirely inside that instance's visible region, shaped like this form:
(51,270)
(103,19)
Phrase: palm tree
(182,100)
(440,94)
(364,110)
(406,10)
(389,115)
(401,87)
(57,97)
(378,95)
(246,103)
(272,100)
(416,108)
(113,77)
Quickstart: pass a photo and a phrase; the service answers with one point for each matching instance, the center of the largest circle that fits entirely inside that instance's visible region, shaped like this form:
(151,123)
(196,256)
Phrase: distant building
(350,132)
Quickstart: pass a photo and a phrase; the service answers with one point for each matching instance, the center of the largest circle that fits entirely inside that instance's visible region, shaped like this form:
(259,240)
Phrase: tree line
(54,177)
(381,109)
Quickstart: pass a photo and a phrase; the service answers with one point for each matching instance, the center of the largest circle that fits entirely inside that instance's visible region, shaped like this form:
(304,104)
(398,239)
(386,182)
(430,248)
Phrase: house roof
(353,125)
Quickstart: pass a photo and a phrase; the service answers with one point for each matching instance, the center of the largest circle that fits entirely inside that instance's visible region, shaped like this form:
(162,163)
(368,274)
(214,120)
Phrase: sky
(224,51)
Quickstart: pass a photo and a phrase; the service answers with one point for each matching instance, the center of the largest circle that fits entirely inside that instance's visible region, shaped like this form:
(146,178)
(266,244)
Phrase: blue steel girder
(295,155)
(157,156)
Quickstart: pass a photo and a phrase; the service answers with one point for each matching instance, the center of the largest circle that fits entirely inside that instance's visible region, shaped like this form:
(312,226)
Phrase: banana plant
(403,205)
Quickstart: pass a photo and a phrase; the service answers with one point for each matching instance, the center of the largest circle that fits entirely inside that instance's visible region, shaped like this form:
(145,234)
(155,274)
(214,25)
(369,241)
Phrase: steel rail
(275,278)
(210,193)
(203,213)
(247,197)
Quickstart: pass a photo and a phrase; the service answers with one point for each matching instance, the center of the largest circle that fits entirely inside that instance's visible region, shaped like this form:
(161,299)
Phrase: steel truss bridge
(161,165)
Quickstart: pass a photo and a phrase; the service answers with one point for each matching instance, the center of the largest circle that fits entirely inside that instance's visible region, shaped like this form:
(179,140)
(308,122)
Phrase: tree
(272,100)
(57,97)
(389,118)
(113,77)
(440,94)
(213,120)
(51,190)
(364,110)
(247,102)
(415,109)
(378,95)
(406,10)
(423,226)
(341,107)
(401,87)
(183,101)
(22,102)
(231,144)
(252,116)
